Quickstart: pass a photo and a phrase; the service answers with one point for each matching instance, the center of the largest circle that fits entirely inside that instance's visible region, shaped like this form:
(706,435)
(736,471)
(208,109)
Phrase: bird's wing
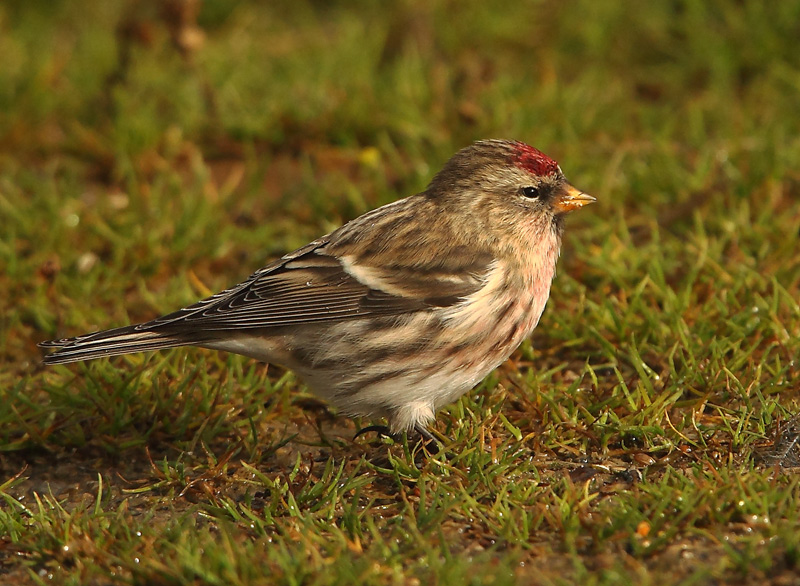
(334,278)
(312,285)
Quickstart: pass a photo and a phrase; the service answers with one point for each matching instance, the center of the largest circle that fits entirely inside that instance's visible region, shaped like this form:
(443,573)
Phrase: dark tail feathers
(110,343)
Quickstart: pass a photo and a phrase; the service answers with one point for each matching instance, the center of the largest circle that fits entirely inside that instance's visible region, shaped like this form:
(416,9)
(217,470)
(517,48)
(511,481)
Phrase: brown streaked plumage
(401,310)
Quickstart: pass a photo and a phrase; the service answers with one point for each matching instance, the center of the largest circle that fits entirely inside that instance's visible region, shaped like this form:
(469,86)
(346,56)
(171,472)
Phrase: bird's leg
(429,441)
(425,433)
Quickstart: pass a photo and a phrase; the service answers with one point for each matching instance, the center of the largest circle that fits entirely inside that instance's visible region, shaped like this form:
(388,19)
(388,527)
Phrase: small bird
(401,310)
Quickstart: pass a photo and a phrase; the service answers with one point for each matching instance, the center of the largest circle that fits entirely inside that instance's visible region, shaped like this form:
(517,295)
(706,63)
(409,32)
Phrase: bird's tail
(124,340)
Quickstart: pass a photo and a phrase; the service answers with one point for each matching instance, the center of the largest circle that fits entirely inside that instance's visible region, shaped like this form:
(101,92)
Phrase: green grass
(627,443)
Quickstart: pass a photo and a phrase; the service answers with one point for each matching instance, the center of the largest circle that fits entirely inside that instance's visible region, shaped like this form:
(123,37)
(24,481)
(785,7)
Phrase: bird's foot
(429,441)
(381,430)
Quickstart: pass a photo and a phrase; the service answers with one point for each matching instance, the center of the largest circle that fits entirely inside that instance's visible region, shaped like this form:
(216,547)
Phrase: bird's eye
(531,192)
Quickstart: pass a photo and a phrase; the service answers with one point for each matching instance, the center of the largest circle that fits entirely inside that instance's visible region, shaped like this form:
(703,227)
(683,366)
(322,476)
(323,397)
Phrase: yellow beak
(572,199)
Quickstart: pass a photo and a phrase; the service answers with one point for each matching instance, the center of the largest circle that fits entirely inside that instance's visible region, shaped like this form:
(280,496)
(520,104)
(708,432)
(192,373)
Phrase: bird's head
(508,179)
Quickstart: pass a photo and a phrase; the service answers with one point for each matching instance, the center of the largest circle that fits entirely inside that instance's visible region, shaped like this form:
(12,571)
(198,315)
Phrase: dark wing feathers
(305,286)
(310,286)
(290,294)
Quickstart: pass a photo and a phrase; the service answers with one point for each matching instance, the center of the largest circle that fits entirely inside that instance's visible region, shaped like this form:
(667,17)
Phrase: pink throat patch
(534,161)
